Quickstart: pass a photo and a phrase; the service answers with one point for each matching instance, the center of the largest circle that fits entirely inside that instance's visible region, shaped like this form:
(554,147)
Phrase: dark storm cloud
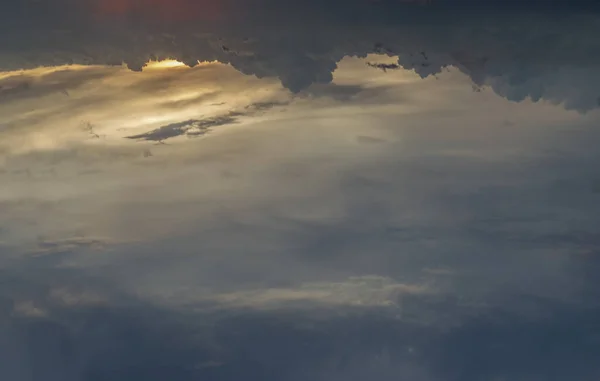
(519,55)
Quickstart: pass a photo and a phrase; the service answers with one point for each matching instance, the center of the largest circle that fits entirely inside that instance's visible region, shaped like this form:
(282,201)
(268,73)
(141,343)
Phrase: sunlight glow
(164,64)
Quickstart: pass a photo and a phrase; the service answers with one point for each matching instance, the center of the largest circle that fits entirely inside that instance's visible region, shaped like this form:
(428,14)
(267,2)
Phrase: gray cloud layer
(518,55)
(62,335)
(510,288)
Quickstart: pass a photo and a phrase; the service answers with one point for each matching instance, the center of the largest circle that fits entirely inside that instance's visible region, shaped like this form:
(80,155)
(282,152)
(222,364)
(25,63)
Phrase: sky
(407,194)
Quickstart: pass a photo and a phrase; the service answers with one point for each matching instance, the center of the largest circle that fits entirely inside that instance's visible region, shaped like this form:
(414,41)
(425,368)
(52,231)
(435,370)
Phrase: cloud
(249,252)
(28,309)
(17,86)
(77,298)
(364,291)
(49,246)
(195,127)
(191,127)
(300,182)
(544,64)
(125,338)
(287,307)
(369,139)
(384,66)
(60,122)
(339,92)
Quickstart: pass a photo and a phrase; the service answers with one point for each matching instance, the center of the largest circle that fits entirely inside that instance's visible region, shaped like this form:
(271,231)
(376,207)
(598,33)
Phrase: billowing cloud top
(518,55)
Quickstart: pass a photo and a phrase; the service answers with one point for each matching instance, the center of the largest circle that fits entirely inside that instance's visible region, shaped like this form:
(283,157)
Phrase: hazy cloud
(128,338)
(365,291)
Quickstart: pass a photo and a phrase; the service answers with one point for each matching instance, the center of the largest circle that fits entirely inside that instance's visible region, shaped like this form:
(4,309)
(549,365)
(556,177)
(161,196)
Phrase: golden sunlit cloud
(50,108)
(164,64)
(45,70)
(101,133)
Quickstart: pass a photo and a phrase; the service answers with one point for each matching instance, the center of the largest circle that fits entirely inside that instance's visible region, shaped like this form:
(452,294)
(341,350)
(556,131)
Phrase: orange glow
(165,64)
(160,10)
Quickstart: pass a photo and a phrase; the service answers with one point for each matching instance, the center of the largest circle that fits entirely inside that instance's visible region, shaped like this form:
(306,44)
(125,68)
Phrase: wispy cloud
(198,127)
(364,291)
(191,127)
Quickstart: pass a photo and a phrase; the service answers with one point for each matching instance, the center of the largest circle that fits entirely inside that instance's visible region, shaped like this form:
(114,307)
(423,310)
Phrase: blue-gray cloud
(510,251)
(519,55)
(125,339)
